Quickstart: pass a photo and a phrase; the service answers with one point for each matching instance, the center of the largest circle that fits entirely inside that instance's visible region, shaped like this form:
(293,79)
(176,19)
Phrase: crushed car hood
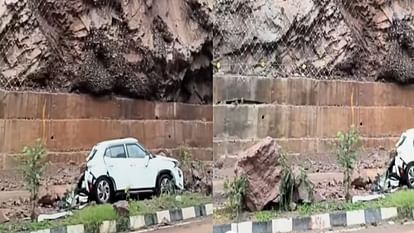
(166,158)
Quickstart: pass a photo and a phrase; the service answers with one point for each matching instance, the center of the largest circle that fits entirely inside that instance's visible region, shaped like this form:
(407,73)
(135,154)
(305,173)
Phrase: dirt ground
(407,228)
(55,174)
(321,169)
(14,199)
(58,178)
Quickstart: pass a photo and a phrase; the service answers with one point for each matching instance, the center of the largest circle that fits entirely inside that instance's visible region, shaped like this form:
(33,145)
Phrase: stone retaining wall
(71,124)
(304,115)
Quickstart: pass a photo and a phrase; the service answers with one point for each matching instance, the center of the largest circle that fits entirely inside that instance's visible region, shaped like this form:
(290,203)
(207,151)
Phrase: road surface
(202,226)
(386,228)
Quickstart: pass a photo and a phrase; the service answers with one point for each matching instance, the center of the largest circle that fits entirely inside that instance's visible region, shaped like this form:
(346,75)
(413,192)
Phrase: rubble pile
(198,177)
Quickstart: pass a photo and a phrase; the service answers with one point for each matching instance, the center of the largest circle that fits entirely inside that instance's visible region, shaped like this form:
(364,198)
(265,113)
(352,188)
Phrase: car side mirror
(149,157)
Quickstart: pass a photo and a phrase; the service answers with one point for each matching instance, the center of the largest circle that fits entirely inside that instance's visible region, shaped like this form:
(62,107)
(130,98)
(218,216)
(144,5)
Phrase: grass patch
(93,216)
(403,200)
(168,202)
(265,216)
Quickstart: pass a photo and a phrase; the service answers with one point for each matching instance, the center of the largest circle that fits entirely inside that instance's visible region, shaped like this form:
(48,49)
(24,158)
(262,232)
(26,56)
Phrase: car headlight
(176,163)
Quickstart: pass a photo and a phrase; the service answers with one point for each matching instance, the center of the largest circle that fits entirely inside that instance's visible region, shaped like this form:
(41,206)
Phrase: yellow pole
(352,108)
(44,123)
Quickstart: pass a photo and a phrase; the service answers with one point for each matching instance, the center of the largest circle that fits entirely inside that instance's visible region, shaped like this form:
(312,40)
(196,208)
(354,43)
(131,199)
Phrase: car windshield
(92,154)
(143,148)
(402,140)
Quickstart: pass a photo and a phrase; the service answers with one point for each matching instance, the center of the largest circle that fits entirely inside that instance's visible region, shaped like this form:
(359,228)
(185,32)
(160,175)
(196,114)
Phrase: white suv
(404,159)
(117,165)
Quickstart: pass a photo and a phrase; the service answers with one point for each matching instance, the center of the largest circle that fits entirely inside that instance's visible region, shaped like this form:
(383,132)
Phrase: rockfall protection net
(155,50)
(323,39)
(20,42)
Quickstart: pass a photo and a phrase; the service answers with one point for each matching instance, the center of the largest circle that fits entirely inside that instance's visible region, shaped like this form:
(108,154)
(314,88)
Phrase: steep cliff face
(157,50)
(162,50)
(365,39)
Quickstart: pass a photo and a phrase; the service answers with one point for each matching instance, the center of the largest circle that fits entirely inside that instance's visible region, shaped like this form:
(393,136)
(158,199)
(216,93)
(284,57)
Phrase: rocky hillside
(364,39)
(156,50)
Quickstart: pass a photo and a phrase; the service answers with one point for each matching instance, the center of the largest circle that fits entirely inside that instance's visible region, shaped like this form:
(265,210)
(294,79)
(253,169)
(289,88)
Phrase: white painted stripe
(108,227)
(245,227)
(75,229)
(355,217)
(188,213)
(234,227)
(136,222)
(321,221)
(282,225)
(209,209)
(388,213)
(42,231)
(163,214)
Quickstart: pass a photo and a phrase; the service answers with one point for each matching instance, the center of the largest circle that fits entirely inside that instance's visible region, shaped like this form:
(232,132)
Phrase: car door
(143,176)
(118,167)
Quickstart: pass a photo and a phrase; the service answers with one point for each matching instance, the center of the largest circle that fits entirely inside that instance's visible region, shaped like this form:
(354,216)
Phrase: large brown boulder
(260,165)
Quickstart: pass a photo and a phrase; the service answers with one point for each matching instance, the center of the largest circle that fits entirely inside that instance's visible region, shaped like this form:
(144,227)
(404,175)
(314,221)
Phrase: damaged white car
(401,168)
(115,166)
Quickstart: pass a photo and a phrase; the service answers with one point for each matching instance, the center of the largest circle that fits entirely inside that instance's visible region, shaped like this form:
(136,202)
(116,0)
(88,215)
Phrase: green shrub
(236,191)
(287,184)
(33,167)
(347,147)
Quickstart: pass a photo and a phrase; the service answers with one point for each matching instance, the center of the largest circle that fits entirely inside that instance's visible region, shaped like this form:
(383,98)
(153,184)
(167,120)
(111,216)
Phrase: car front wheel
(409,175)
(103,190)
(165,185)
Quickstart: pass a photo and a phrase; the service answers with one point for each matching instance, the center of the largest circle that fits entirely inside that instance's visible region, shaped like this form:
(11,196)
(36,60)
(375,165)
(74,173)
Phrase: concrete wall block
(269,121)
(279,121)
(81,135)
(237,87)
(241,121)
(32,105)
(297,91)
(296,145)
(219,119)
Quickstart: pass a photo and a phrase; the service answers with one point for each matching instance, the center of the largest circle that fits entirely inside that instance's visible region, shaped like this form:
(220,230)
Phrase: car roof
(117,142)
(409,131)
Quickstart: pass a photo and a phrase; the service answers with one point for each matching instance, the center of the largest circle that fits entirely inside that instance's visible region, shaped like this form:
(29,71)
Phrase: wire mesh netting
(21,42)
(137,49)
(324,39)
(42,42)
